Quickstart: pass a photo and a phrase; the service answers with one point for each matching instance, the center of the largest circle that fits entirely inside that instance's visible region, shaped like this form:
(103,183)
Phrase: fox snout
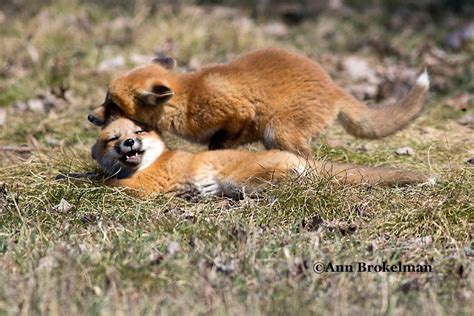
(129,144)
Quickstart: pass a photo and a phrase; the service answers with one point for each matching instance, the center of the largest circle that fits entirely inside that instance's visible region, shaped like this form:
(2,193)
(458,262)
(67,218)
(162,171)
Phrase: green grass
(113,253)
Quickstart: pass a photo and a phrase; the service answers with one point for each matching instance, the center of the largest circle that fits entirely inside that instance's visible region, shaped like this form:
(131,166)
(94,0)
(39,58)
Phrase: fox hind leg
(289,139)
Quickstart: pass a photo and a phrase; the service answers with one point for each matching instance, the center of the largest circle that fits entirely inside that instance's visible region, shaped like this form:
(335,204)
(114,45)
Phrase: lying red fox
(139,160)
(270,95)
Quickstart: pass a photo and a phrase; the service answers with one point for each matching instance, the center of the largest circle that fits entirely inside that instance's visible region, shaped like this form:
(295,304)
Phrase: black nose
(129,142)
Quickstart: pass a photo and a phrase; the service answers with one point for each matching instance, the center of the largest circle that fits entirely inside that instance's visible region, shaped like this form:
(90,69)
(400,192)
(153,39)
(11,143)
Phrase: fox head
(124,146)
(138,94)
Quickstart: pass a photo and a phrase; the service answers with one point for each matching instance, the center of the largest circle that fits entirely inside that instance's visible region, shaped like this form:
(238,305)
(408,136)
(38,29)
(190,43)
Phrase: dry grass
(114,254)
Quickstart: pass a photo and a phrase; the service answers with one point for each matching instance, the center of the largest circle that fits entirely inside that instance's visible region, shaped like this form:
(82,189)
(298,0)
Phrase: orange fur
(269,95)
(141,161)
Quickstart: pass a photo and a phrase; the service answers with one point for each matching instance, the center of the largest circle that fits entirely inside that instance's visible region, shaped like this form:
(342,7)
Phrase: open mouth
(132,157)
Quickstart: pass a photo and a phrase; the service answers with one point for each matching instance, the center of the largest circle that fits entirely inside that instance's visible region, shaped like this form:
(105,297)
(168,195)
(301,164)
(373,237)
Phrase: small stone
(467,120)
(276,29)
(36,105)
(115,62)
(405,151)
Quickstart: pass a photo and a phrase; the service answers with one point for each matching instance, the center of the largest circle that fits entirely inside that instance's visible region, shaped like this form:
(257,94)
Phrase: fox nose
(129,142)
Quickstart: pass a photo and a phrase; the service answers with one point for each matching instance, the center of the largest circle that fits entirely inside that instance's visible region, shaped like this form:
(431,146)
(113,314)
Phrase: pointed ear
(97,117)
(95,149)
(167,62)
(158,95)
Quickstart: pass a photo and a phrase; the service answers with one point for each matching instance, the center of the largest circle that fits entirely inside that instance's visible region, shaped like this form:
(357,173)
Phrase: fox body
(270,95)
(138,159)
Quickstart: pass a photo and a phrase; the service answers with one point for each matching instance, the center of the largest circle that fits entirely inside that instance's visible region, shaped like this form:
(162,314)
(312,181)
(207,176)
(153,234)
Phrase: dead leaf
(457,39)
(63,207)
(405,151)
(173,248)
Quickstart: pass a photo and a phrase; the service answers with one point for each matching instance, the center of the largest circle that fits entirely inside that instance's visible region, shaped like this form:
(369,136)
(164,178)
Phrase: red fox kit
(139,160)
(269,95)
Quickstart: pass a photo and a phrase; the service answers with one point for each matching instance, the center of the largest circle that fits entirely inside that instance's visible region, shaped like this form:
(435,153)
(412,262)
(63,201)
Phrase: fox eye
(140,132)
(112,139)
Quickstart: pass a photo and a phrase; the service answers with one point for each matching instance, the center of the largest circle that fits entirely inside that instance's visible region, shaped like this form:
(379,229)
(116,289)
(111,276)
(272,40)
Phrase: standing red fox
(271,95)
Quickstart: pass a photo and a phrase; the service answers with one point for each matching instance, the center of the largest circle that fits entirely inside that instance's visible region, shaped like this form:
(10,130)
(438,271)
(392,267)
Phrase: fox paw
(208,187)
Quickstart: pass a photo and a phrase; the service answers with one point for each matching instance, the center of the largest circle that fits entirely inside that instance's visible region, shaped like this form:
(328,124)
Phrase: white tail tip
(423,80)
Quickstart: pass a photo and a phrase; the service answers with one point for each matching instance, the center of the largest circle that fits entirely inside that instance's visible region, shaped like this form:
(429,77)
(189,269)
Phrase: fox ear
(94,151)
(167,62)
(97,117)
(158,95)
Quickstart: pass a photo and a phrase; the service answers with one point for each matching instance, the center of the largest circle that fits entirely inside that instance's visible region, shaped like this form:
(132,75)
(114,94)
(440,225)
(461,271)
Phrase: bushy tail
(356,174)
(373,122)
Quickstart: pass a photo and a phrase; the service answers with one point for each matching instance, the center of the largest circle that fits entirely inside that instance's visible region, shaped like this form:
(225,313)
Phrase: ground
(78,247)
